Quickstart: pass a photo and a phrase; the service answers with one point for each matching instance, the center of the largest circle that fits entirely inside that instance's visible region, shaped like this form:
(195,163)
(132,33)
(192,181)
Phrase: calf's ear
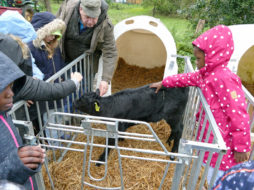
(97,92)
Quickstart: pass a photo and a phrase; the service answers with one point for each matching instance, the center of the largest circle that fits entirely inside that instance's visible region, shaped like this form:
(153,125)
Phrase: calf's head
(89,103)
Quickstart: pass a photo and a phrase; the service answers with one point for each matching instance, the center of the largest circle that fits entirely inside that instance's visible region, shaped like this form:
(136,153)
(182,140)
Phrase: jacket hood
(104,10)
(12,22)
(46,23)
(218,46)
(9,71)
(12,49)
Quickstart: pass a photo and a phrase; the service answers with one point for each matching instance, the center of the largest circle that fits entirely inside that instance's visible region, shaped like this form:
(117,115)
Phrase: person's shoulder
(223,73)
(227,76)
(107,24)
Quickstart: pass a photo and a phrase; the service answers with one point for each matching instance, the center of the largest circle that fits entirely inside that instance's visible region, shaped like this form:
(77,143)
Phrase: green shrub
(165,7)
(185,48)
(226,12)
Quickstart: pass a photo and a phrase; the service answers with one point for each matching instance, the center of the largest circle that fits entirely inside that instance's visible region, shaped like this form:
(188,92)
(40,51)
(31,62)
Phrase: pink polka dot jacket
(222,90)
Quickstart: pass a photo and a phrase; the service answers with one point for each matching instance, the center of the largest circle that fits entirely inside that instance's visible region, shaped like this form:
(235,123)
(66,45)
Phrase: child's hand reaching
(156,85)
(76,76)
(32,156)
(241,156)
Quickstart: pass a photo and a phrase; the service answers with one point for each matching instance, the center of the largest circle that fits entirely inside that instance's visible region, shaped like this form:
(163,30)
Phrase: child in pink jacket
(222,90)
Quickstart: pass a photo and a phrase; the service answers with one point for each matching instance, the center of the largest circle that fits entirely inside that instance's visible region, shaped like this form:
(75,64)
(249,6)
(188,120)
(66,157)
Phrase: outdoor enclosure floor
(138,174)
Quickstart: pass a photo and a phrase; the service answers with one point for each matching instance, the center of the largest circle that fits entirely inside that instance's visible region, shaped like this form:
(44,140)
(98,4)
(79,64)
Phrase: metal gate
(22,115)
(188,161)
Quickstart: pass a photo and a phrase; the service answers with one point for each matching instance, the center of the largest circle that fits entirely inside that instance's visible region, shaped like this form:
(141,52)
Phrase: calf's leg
(102,157)
(176,133)
(111,141)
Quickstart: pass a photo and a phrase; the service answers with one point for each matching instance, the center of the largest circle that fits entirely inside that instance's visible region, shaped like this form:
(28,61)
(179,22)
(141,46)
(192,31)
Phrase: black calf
(139,104)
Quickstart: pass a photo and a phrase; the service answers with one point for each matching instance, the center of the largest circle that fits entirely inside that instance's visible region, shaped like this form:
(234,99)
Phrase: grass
(177,26)
(55,7)
(119,12)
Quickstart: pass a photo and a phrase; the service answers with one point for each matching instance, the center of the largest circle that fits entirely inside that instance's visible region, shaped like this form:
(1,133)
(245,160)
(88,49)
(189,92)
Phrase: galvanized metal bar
(201,135)
(27,113)
(86,82)
(150,159)
(216,168)
(207,165)
(84,164)
(104,188)
(67,67)
(202,182)
(195,170)
(252,154)
(89,72)
(164,175)
(39,116)
(104,163)
(29,139)
(65,151)
(177,176)
(120,162)
(49,175)
(197,125)
(82,73)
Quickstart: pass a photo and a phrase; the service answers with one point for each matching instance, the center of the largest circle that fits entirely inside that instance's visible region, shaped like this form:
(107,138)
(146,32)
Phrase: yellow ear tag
(97,108)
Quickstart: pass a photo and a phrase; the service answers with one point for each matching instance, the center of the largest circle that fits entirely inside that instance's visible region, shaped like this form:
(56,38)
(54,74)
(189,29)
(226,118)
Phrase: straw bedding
(137,174)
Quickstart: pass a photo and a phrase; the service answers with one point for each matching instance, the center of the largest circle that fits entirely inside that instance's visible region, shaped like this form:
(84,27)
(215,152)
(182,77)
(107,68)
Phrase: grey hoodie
(26,88)
(11,167)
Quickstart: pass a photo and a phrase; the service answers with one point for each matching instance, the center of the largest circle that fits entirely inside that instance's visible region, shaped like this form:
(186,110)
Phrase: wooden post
(200,26)
(48,5)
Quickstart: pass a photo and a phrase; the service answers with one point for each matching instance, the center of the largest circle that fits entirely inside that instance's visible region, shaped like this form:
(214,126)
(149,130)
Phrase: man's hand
(76,76)
(241,156)
(156,85)
(103,87)
(32,156)
(29,103)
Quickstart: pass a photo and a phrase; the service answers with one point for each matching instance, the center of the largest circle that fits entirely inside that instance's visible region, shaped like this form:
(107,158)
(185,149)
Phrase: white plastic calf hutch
(242,60)
(144,41)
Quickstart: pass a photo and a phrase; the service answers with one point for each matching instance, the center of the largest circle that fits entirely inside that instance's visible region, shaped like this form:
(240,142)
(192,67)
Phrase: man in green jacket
(90,31)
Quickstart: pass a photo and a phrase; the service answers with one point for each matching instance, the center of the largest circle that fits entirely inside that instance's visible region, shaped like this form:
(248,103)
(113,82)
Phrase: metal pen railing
(188,161)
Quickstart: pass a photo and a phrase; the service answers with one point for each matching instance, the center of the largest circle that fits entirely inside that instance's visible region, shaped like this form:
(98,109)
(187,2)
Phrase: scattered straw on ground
(127,76)
(137,174)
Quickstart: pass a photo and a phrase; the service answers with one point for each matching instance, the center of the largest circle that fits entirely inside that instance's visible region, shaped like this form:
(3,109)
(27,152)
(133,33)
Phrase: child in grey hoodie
(18,163)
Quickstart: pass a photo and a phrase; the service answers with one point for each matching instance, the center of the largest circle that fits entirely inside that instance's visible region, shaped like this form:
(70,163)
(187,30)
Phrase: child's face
(6,101)
(50,38)
(200,57)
